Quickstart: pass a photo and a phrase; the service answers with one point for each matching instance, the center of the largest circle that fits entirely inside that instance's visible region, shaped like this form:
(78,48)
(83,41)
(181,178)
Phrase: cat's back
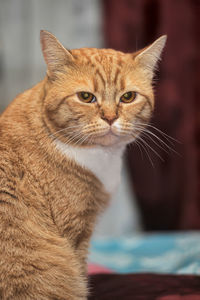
(13,149)
(11,171)
(15,129)
(18,110)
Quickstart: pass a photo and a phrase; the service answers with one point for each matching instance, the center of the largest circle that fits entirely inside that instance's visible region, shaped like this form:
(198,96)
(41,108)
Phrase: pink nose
(109,120)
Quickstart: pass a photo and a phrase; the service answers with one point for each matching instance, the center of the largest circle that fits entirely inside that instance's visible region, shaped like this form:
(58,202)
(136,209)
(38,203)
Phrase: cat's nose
(109,119)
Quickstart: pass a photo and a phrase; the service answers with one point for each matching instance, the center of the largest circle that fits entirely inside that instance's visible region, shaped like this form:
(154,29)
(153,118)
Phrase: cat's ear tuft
(150,56)
(55,55)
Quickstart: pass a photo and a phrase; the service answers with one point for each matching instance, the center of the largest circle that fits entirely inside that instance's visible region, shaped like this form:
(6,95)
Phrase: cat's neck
(104,162)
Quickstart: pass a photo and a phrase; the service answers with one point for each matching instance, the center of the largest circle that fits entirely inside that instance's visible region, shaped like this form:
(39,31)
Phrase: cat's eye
(128,97)
(86,97)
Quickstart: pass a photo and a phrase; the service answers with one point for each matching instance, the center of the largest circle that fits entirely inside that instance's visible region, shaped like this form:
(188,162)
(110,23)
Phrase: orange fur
(48,202)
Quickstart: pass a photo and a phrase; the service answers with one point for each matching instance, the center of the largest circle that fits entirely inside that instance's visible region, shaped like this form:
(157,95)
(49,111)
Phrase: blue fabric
(177,253)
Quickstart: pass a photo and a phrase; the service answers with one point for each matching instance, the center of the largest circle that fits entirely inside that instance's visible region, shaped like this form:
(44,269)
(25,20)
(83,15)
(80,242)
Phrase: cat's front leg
(35,267)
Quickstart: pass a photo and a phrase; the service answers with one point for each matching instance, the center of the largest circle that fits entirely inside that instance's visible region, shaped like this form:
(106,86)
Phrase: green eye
(128,97)
(86,97)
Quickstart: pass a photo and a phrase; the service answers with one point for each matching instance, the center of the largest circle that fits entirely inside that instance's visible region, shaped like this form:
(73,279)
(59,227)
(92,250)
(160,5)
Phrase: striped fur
(60,161)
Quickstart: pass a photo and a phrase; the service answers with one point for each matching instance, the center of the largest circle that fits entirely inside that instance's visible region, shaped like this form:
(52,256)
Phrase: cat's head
(98,96)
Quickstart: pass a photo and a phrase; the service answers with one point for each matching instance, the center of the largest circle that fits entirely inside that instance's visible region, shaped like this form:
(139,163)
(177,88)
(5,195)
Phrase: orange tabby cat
(61,145)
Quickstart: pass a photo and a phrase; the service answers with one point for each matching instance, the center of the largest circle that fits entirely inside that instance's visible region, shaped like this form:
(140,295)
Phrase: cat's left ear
(149,57)
(55,55)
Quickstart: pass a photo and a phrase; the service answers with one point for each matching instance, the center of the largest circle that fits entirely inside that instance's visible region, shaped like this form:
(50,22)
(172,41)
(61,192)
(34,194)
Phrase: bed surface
(177,253)
(146,267)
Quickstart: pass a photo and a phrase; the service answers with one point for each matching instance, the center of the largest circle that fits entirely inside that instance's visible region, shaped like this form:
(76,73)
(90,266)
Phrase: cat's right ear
(149,57)
(55,55)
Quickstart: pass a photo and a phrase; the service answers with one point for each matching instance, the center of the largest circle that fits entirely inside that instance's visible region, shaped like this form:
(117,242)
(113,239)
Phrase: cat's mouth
(111,137)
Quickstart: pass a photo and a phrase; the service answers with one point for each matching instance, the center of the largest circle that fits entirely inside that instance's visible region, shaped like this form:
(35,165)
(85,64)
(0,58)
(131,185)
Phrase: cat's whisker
(139,147)
(147,145)
(169,148)
(91,139)
(94,132)
(70,140)
(146,133)
(159,139)
(168,137)
(65,129)
(151,139)
(139,138)
(68,132)
(92,125)
(82,139)
(145,150)
(151,136)
(148,155)
(74,139)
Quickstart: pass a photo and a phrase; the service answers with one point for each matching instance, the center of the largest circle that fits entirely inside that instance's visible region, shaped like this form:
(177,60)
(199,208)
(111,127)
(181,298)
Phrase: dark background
(169,195)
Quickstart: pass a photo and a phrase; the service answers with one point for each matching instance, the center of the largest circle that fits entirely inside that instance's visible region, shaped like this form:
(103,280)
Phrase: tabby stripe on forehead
(119,62)
(111,59)
(87,58)
(116,76)
(95,84)
(101,77)
(109,70)
(122,84)
(97,58)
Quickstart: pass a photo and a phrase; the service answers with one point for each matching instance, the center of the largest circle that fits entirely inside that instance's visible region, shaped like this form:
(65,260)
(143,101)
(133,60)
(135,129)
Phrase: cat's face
(97,96)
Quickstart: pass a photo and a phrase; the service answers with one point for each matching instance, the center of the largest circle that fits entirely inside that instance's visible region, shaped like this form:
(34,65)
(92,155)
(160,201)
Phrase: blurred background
(156,194)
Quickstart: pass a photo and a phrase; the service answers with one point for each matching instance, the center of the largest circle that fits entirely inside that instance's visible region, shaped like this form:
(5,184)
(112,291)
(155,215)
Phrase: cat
(61,145)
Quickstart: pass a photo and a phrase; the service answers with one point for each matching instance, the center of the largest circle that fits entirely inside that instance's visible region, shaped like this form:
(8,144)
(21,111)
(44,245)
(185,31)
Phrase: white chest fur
(104,163)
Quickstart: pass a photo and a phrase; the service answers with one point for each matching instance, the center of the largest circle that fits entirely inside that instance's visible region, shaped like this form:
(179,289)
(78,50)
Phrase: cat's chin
(110,139)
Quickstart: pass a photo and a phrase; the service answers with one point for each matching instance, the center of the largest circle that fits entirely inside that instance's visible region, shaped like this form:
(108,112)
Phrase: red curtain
(169,193)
